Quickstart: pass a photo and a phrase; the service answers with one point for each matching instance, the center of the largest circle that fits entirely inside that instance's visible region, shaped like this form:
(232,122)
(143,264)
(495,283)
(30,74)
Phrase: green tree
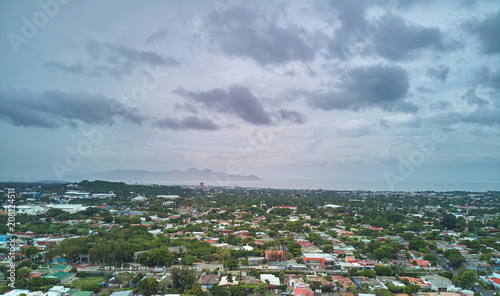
(188,259)
(232,264)
(237,291)
(148,286)
(108,219)
(94,287)
(183,277)
(124,278)
(466,278)
(449,221)
(454,257)
(383,270)
(261,289)
(218,291)
(196,288)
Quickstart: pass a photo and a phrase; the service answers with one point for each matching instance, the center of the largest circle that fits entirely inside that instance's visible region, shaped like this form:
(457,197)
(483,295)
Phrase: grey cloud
(400,40)
(483,115)
(441,105)
(238,101)
(115,60)
(55,108)
(367,87)
(351,15)
(245,33)
(412,122)
(189,122)
(489,78)
(390,36)
(159,35)
(291,115)
(439,72)
(77,68)
(472,99)
(187,107)
(425,90)
(487,31)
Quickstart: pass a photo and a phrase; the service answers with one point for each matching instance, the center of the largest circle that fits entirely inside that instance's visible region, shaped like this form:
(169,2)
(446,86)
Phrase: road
(484,292)
(441,262)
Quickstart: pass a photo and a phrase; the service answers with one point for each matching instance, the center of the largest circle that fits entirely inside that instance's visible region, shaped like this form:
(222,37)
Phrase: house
(439,283)
(182,250)
(82,293)
(371,283)
(248,280)
(207,281)
(423,284)
(62,276)
(59,290)
(225,283)
(342,280)
(303,292)
(16,292)
(60,267)
(418,263)
(123,293)
(139,198)
(255,261)
(319,260)
(271,279)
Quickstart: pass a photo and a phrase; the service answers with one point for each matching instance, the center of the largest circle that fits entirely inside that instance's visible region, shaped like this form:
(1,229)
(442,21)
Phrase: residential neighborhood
(114,239)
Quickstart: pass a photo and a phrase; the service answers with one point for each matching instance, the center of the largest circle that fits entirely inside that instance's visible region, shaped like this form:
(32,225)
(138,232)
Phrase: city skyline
(369,90)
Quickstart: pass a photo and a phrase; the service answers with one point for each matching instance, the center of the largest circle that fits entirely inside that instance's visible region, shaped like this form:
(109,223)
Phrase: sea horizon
(324,184)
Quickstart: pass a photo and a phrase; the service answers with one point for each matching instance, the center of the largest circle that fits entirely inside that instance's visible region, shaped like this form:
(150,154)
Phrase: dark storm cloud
(238,101)
(291,115)
(400,40)
(245,33)
(115,60)
(487,31)
(159,35)
(440,72)
(379,86)
(56,108)
(351,15)
(189,122)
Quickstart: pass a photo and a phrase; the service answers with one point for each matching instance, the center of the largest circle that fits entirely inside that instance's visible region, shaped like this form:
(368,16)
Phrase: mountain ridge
(191,174)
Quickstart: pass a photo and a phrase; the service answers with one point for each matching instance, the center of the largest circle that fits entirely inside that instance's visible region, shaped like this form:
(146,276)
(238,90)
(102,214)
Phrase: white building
(273,280)
(70,208)
(76,194)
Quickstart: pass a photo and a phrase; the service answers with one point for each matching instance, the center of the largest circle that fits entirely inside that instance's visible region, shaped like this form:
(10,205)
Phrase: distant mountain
(176,175)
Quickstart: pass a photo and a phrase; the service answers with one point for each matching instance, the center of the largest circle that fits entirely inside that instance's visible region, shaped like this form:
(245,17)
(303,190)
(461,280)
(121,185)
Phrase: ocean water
(373,185)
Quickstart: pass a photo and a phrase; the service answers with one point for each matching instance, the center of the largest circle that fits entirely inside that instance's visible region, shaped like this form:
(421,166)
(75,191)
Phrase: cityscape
(113,238)
(258,147)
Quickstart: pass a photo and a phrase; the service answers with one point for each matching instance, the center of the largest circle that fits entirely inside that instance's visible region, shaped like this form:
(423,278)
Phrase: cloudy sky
(382,90)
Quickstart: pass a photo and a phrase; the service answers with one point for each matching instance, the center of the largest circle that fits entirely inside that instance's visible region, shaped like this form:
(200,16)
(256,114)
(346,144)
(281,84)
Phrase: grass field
(87,280)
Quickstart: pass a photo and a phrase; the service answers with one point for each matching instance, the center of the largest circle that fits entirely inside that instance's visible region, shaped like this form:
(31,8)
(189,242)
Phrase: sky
(371,90)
